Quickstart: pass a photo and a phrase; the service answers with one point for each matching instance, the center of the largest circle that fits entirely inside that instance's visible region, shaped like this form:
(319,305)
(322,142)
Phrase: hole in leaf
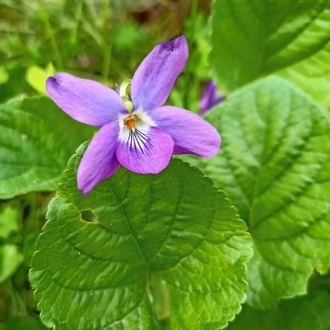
(89,216)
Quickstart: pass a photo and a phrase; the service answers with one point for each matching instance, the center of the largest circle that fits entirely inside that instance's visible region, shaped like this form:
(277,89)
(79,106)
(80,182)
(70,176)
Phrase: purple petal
(209,98)
(155,77)
(117,89)
(85,100)
(145,152)
(99,161)
(191,134)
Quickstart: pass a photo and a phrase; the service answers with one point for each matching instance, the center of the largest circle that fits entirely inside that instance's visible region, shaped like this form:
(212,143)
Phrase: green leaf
(29,247)
(4,75)
(319,297)
(175,225)
(129,36)
(319,302)
(310,312)
(288,38)
(36,141)
(10,259)
(36,76)
(23,323)
(274,166)
(293,314)
(14,305)
(10,221)
(15,85)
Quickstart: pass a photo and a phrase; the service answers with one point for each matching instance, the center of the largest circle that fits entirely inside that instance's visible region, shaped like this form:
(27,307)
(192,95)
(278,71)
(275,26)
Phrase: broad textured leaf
(273,165)
(289,38)
(293,314)
(36,141)
(174,224)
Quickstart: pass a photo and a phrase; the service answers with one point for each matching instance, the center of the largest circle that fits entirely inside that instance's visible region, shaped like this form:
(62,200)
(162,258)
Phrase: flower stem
(193,14)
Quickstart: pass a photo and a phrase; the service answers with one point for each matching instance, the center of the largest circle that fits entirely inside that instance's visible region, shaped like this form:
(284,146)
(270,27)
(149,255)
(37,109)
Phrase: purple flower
(141,134)
(209,99)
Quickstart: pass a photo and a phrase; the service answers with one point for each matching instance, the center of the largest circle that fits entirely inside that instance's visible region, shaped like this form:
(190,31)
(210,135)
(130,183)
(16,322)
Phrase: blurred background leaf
(10,259)
(102,40)
(10,221)
(36,76)
(21,220)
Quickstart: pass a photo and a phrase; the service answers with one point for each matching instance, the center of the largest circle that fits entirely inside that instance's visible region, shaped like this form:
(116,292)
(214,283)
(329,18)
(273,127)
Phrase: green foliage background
(242,241)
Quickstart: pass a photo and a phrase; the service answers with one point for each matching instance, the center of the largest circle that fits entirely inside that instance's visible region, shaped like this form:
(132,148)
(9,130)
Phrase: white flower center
(134,128)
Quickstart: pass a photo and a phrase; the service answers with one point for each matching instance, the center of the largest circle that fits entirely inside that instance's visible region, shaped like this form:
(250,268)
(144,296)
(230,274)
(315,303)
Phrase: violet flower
(209,99)
(141,134)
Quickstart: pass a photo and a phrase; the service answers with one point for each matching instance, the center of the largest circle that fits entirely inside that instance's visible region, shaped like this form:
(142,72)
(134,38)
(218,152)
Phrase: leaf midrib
(127,222)
(261,156)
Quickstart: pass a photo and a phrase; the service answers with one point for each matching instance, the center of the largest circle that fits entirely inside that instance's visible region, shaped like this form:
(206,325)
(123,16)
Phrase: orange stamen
(130,123)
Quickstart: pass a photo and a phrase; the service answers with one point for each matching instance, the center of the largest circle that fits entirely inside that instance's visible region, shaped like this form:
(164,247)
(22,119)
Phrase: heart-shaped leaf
(175,226)
(274,166)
